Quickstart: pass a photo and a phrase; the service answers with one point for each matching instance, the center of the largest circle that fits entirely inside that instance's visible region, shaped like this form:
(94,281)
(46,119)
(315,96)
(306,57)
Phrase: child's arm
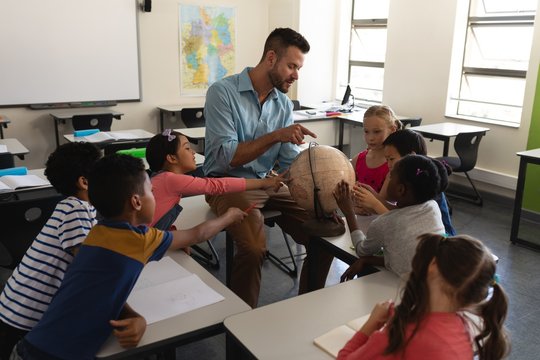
(367,198)
(342,194)
(129,328)
(206,230)
(379,316)
(273,181)
(359,265)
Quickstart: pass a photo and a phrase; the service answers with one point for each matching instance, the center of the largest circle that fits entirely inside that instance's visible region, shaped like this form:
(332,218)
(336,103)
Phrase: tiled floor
(518,269)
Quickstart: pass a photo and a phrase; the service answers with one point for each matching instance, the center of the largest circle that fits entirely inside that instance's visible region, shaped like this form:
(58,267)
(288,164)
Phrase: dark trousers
(9,337)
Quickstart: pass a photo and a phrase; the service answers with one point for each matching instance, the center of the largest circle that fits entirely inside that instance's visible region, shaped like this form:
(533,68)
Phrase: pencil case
(79,133)
(135,152)
(21,170)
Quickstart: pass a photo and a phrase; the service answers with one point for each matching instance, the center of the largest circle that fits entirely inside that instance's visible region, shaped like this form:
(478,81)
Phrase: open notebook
(335,339)
(104,136)
(12,182)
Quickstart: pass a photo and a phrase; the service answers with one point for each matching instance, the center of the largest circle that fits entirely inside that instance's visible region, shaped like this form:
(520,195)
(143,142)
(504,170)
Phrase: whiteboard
(57,51)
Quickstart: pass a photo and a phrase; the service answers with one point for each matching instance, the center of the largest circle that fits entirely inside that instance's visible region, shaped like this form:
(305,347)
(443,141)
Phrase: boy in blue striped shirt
(36,279)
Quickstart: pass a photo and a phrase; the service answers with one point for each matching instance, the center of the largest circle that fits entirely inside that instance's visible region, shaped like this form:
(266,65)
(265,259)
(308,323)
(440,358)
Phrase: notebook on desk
(335,339)
(13,182)
(100,137)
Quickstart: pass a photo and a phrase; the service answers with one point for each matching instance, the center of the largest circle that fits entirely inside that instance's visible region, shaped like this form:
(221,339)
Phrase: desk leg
(161,120)
(445,147)
(313,250)
(341,131)
(518,200)
(57,137)
(2,131)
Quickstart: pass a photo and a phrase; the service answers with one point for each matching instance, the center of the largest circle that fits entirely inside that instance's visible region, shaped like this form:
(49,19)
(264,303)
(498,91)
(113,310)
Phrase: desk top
(447,129)
(187,326)
(286,329)
(197,133)
(177,108)
(533,153)
(67,114)
(14,146)
(139,134)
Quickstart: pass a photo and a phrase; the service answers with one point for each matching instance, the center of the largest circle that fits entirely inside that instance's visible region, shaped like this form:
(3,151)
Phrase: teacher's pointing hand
(294,134)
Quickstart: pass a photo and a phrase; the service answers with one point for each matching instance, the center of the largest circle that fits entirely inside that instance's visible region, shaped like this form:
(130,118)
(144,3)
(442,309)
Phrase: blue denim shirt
(233,115)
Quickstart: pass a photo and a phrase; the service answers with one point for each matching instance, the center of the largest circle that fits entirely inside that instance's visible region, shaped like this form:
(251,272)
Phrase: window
(367,51)
(494,61)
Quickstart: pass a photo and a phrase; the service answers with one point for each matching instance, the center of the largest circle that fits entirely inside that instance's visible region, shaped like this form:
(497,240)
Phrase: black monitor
(346,96)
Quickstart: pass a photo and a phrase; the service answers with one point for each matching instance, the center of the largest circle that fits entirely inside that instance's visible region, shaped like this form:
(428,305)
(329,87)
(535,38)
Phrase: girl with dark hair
(451,278)
(413,183)
(170,158)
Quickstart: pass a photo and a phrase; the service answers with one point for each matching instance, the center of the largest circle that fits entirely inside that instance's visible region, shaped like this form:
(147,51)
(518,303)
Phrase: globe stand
(323,227)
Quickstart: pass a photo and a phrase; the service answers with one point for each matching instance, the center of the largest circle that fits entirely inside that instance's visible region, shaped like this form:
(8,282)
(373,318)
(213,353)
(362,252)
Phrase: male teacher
(249,128)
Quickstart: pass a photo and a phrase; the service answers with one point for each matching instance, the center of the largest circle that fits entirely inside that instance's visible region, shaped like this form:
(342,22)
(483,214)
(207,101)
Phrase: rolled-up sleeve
(368,244)
(221,136)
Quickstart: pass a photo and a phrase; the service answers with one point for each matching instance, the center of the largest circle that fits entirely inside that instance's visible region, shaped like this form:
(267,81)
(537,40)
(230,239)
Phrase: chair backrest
(466,146)
(26,219)
(169,218)
(193,117)
(102,122)
(410,122)
(296,105)
(6,160)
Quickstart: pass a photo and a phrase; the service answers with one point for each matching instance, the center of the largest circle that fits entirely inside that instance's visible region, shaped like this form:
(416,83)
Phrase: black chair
(193,117)
(102,122)
(7,160)
(296,105)
(466,146)
(25,219)
(411,122)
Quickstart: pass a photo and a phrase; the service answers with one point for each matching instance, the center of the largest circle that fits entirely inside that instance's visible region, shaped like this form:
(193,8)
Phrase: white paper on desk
(3,148)
(120,135)
(172,298)
(21,181)
(165,289)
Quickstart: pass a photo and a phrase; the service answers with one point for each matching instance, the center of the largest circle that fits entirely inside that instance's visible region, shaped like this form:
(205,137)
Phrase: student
(36,279)
(370,165)
(450,277)
(91,301)
(170,157)
(398,144)
(413,183)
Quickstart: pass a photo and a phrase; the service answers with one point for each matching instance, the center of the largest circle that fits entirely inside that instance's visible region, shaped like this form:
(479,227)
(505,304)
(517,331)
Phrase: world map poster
(207,46)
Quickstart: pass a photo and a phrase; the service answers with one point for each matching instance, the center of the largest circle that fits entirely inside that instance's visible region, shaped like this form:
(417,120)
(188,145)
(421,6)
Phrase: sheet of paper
(159,272)
(120,135)
(3,148)
(357,323)
(172,298)
(98,137)
(334,340)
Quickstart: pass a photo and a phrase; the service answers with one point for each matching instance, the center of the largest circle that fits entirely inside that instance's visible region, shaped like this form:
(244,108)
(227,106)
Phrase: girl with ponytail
(451,279)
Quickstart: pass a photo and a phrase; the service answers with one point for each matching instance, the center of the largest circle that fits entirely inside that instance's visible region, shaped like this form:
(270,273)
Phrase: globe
(317,170)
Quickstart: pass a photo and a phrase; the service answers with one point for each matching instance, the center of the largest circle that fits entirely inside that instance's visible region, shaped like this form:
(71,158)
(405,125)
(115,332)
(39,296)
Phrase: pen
(332,113)
(250,207)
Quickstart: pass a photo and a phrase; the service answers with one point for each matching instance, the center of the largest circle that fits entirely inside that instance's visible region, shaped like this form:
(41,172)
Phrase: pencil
(250,207)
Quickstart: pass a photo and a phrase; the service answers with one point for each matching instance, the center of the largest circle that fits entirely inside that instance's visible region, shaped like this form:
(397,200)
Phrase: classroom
(419,70)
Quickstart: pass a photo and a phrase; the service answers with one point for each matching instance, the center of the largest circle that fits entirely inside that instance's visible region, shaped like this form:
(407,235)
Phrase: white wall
(416,81)
(417,68)
(158,35)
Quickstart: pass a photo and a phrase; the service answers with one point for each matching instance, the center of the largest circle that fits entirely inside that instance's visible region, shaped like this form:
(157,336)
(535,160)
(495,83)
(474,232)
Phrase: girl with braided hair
(451,279)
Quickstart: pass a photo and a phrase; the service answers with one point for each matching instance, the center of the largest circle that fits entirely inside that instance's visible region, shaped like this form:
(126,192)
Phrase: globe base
(323,227)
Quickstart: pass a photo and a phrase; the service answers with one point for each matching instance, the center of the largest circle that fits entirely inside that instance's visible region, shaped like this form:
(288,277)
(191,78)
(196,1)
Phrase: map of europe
(207,46)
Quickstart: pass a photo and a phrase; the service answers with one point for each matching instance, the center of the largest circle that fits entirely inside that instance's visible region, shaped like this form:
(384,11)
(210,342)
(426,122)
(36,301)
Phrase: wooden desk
(15,147)
(60,116)
(4,121)
(139,134)
(286,329)
(171,111)
(184,328)
(525,157)
(446,130)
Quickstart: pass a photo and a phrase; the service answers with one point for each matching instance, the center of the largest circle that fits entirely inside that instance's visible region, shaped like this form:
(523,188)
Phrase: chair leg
(475,199)
(291,270)
(210,259)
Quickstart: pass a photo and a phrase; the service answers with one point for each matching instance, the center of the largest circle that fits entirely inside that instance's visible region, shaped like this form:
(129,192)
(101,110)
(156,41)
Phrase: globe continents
(321,166)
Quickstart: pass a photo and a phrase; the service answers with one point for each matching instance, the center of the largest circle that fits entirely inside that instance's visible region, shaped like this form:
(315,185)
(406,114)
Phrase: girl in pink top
(449,277)
(370,165)
(170,156)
